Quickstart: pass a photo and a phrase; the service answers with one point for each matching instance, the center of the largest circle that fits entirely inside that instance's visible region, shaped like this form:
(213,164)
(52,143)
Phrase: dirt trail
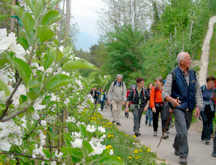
(205,52)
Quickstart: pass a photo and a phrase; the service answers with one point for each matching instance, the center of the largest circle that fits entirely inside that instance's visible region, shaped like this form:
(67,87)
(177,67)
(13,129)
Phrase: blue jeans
(149,115)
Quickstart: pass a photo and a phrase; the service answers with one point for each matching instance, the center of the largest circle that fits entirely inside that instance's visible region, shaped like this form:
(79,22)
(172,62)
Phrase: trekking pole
(167,124)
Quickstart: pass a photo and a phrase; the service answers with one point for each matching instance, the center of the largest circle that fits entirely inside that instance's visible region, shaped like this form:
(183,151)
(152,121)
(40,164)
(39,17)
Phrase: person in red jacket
(158,106)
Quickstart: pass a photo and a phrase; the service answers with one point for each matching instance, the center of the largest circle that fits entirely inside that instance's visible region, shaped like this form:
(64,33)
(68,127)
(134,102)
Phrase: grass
(124,146)
(212,55)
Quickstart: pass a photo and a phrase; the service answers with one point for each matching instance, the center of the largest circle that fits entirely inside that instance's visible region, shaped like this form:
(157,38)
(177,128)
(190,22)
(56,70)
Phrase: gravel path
(205,52)
(200,154)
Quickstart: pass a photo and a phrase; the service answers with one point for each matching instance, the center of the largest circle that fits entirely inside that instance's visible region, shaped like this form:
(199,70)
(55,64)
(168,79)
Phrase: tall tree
(123,12)
(124,51)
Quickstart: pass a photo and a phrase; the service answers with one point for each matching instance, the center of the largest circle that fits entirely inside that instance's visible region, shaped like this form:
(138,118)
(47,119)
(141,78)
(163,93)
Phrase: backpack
(134,94)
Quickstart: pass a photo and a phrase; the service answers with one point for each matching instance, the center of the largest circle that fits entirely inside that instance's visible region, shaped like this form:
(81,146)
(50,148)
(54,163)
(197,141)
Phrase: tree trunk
(67,22)
(191,29)
(12,18)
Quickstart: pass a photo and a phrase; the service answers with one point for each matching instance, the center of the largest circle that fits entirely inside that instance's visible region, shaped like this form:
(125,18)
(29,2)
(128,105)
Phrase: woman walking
(207,113)
(158,106)
(149,111)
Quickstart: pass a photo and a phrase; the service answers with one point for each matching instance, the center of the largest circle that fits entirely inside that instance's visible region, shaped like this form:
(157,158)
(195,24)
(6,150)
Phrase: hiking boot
(146,122)
(118,124)
(155,133)
(166,137)
(113,122)
(207,142)
(182,161)
(214,153)
(137,134)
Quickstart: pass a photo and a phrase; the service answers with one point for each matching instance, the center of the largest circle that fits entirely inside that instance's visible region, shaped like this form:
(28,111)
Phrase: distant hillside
(85,41)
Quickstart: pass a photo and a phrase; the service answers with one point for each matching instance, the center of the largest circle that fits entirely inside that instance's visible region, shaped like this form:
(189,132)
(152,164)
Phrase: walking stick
(167,124)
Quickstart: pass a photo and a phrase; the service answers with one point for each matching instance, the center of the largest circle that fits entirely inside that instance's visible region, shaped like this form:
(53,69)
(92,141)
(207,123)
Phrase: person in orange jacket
(158,106)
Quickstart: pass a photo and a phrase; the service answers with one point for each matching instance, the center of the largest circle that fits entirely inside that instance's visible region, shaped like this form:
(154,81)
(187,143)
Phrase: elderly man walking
(117,96)
(182,83)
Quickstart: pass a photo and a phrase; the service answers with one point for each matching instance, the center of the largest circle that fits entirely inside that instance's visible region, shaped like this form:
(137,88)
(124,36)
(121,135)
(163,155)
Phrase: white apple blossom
(76,134)
(38,151)
(35,116)
(43,122)
(21,90)
(53,163)
(53,97)
(78,123)
(23,122)
(91,128)
(4,145)
(58,155)
(98,148)
(71,119)
(101,129)
(111,152)
(66,102)
(77,143)
(42,138)
(3,97)
(9,43)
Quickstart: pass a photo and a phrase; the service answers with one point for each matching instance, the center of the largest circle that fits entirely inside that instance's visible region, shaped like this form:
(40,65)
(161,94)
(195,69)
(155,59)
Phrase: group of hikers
(180,94)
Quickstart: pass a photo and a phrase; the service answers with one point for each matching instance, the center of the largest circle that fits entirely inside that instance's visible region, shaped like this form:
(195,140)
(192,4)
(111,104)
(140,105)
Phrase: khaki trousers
(117,107)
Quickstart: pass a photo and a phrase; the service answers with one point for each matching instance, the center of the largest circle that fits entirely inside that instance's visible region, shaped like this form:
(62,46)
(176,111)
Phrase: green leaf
(87,146)
(22,41)
(51,17)
(23,69)
(3,61)
(111,160)
(30,37)
(44,33)
(33,93)
(78,64)
(83,130)
(34,83)
(4,87)
(54,2)
(26,19)
(74,152)
(67,50)
(39,6)
(22,99)
(29,3)
(58,55)
(67,138)
(49,58)
(58,80)
(47,153)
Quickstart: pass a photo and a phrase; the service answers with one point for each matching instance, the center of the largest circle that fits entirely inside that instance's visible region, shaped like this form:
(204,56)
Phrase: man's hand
(146,108)
(154,110)
(175,102)
(123,103)
(197,112)
(126,109)
(108,102)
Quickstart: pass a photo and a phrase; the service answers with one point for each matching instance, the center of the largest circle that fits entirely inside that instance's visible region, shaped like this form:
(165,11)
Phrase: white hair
(181,56)
(119,75)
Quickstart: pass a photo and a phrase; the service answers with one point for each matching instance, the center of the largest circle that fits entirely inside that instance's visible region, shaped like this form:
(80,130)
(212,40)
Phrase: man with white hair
(182,83)
(117,95)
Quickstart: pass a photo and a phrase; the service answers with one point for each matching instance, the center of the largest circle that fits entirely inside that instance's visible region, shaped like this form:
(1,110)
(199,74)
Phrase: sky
(85,14)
